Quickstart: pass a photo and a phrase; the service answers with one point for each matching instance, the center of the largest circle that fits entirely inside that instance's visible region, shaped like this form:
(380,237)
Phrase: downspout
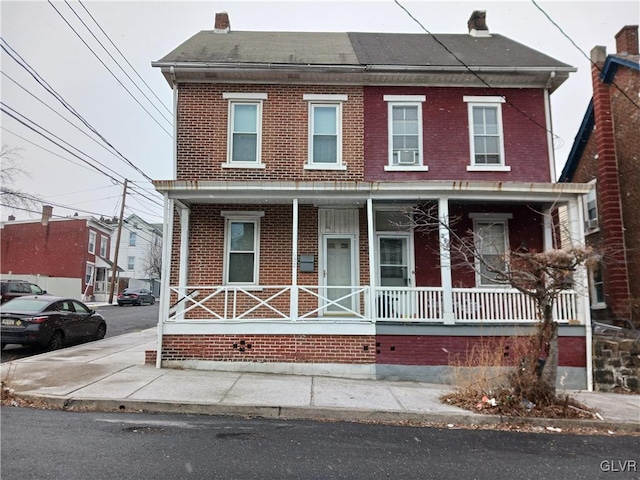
(175,122)
(548,123)
(167,242)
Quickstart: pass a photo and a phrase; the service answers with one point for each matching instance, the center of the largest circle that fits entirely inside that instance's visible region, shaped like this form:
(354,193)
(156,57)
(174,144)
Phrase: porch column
(583,307)
(445,261)
(547,230)
(293,308)
(373,314)
(184,257)
(165,294)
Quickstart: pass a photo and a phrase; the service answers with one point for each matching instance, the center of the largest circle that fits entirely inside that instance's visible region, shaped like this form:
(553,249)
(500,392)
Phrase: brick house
(297,156)
(65,247)
(606,153)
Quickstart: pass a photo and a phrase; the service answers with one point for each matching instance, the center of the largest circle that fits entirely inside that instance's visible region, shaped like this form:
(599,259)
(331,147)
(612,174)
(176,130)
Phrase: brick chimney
(627,40)
(11,218)
(609,193)
(47,212)
(477,24)
(222,24)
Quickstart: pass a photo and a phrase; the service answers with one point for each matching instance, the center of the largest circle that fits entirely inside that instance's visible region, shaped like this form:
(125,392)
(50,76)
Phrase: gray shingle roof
(315,48)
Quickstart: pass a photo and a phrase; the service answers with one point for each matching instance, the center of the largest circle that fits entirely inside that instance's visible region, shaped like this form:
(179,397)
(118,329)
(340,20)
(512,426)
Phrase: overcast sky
(145,31)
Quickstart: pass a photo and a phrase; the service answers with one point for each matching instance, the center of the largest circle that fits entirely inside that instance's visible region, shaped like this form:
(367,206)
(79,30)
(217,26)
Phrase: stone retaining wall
(616,365)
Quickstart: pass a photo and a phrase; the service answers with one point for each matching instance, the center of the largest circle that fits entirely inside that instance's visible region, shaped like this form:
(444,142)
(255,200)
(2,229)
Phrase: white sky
(145,31)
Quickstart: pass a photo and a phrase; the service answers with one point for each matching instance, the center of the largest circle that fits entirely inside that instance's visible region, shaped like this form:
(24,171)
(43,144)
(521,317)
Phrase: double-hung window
(242,247)
(590,206)
(491,239)
(244,139)
(88,275)
(92,242)
(325,131)
(103,247)
(596,286)
(405,132)
(131,263)
(133,236)
(485,134)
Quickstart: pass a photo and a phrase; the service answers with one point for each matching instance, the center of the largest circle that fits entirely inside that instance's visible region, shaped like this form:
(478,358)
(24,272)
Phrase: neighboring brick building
(607,152)
(69,247)
(288,246)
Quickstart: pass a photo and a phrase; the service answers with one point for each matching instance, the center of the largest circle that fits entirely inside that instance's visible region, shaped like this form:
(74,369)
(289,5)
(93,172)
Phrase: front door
(394,270)
(339,274)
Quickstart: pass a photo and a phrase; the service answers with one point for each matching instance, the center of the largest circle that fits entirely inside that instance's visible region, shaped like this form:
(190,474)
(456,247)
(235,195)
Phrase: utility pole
(115,257)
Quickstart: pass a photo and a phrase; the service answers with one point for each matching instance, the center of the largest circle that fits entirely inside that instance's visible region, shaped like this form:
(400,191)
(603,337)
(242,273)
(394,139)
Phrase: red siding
(446,134)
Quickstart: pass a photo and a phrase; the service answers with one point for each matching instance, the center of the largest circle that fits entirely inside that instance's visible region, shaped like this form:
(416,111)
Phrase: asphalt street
(38,444)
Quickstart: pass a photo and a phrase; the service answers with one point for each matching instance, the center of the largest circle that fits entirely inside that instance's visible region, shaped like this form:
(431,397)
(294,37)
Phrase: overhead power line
(44,84)
(125,58)
(582,52)
(475,74)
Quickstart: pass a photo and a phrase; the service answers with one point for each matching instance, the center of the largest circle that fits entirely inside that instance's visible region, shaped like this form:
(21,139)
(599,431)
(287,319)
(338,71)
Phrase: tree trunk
(550,369)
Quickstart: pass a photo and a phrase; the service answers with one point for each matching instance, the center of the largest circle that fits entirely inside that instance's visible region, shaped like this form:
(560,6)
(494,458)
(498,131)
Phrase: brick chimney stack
(627,40)
(477,24)
(47,212)
(222,24)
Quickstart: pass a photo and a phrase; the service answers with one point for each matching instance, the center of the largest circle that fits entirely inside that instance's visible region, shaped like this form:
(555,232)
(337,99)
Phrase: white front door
(339,274)
(395,269)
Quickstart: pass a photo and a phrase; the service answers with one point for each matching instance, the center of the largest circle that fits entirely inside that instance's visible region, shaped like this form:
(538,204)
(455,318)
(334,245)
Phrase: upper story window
(491,239)
(133,236)
(92,242)
(325,131)
(244,139)
(590,206)
(242,247)
(405,132)
(131,263)
(486,138)
(103,247)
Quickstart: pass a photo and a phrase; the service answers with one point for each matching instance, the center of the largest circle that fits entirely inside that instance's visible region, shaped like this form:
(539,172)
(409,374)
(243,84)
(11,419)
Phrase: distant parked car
(18,288)
(136,296)
(49,321)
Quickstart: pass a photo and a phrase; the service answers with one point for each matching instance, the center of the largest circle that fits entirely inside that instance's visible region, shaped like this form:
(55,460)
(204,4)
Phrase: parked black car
(136,296)
(18,288)
(49,321)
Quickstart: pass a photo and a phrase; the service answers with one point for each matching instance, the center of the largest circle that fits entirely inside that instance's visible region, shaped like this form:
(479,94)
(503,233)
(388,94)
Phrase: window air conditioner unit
(591,223)
(406,157)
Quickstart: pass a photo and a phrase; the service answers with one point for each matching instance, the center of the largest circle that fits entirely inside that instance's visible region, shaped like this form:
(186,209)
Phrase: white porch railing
(401,304)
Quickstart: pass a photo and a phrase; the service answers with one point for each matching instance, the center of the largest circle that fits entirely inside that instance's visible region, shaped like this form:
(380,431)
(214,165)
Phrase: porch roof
(332,193)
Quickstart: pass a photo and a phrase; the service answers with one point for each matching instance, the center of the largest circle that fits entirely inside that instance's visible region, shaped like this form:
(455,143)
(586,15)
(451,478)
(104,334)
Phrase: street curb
(319,414)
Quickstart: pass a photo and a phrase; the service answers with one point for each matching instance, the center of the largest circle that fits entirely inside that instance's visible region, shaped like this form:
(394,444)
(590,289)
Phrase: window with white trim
(88,277)
(92,242)
(244,140)
(325,131)
(596,286)
(133,236)
(491,239)
(590,207)
(405,132)
(486,137)
(103,247)
(242,247)
(131,263)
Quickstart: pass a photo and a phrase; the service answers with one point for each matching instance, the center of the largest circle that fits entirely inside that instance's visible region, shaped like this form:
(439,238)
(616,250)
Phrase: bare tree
(11,171)
(542,276)
(152,261)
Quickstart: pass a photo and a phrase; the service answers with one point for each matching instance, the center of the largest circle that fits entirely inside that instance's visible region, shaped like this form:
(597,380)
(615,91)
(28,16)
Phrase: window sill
(406,168)
(319,166)
(488,168)
(591,231)
(598,306)
(246,288)
(258,166)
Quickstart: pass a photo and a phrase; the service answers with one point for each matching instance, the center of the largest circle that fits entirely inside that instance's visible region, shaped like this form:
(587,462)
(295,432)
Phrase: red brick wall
(59,249)
(446,350)
(358,349)
(202,133)
(446,135)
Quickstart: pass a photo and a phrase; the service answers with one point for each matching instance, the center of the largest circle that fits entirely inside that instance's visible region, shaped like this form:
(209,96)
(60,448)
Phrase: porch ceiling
(357,193)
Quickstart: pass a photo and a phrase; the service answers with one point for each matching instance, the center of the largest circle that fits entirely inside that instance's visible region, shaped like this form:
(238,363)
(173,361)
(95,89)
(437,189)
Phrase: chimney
(477,24)
(47,211)
(627,40)
(12,218)
(222,24)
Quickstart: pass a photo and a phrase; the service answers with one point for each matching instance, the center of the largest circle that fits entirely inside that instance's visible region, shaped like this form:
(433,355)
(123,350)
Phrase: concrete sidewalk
(111,375)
